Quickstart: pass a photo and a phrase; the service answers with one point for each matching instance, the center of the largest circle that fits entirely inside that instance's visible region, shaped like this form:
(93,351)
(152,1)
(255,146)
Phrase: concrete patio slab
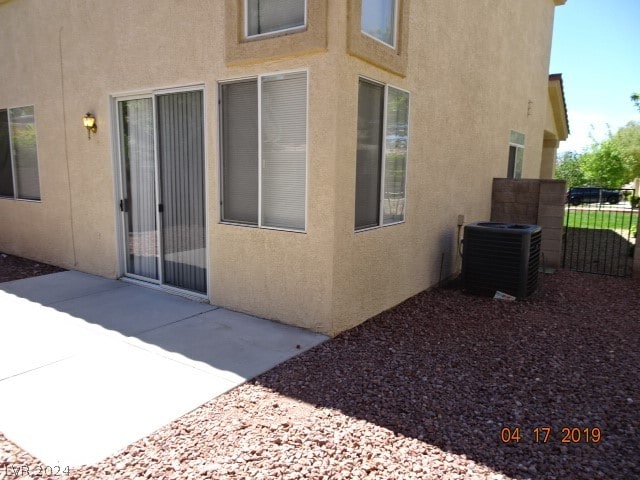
(245,346)
(132,310)
(48,334)
(47,289)
(83,408)
(109,363)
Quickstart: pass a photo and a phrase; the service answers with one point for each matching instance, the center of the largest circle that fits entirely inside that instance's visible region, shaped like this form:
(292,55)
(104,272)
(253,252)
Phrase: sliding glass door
(163,195)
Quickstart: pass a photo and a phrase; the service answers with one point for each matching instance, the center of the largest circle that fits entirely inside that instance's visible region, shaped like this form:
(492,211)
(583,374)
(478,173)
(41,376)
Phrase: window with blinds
(381,159)
(19,177)
(265,17)
(264,151)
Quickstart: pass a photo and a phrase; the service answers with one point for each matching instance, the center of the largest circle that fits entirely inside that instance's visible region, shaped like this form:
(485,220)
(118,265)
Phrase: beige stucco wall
(467,92)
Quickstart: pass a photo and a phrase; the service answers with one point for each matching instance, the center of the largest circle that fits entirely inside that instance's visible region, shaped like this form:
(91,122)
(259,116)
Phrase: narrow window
(273,16)
(240,151)
(264,151)
(395,162)
(516,154)
(284,150)
(6,168)
(379,20)
(19,176)
(381,159)
(369,154)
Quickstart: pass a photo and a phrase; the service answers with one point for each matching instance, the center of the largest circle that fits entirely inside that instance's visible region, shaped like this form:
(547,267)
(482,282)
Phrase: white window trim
(275,33)
(14,176)
(395,28)
(258,78)
(381,223)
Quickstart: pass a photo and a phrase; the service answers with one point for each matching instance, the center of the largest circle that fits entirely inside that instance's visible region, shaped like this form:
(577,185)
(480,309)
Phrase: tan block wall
(467,92)
(534,202)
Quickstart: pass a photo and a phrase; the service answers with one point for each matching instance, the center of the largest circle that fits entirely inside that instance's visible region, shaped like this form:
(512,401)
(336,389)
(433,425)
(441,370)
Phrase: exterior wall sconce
(89,122)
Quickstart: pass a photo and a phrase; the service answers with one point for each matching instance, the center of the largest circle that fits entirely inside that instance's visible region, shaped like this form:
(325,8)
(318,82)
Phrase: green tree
(628,141)
(604,165)
(635,98)
(569,167)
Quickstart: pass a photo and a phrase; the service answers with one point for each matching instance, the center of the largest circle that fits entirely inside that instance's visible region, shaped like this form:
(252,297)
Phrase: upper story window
(18,154)
(267,17)
(379,20)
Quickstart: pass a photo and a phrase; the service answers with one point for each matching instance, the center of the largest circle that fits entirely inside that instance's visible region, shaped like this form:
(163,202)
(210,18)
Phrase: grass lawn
(604,220)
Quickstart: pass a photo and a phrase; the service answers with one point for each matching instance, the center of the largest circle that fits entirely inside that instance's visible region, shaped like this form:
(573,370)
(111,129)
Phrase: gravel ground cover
(439,387)
(15,268)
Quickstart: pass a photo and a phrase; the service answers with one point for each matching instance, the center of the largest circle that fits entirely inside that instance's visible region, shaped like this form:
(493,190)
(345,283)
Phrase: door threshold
(196,297)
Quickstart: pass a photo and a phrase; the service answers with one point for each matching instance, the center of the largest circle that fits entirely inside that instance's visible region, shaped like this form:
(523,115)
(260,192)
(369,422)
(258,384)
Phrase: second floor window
(265,17)
(379,20)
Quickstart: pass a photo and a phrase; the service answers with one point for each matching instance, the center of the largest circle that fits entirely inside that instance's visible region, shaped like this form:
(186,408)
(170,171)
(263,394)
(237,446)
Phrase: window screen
(25,157)
(395,162)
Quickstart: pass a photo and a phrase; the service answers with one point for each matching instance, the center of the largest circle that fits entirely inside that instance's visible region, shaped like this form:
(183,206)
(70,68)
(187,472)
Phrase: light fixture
(89,122)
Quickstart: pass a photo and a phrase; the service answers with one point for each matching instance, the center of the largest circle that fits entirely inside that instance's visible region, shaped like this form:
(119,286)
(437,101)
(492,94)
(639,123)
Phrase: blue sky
(596,47)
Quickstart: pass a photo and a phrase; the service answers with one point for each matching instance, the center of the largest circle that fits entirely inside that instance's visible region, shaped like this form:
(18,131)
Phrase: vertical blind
(369,154)
(181,160)
(284,150)
(266,16)
(6,170)
(136,127)
(240,152)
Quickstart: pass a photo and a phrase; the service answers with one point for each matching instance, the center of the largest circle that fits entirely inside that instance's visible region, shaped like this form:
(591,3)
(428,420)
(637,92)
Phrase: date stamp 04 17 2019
(546,435)
(20,470)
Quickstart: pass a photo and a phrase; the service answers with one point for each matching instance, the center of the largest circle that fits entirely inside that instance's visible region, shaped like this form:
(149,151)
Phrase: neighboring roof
(559,2)
(559,105)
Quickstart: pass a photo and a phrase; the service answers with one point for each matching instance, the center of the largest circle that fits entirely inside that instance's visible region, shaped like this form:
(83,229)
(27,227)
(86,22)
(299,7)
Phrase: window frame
(383,154)
(259,224)
(396,13)
(518,147)
(275,33)
(14,175)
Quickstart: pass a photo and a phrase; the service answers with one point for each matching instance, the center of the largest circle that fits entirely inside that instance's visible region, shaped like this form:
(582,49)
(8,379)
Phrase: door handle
(123,205)
(160,208)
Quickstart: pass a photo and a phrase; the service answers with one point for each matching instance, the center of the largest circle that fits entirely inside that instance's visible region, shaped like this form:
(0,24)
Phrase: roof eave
(559,105)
